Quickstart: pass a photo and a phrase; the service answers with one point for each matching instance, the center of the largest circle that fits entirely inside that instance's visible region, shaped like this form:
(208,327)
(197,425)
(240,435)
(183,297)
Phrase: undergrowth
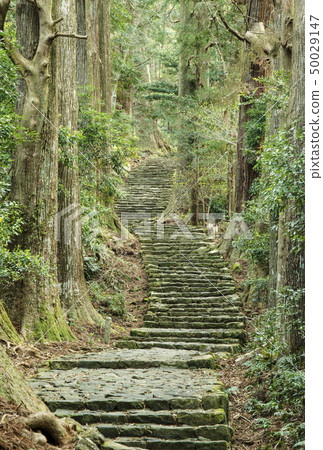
(277,378)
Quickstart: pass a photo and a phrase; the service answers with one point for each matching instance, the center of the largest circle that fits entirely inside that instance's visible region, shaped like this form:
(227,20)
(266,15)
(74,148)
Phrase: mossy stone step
(201,347)
(193,417)
(116,359)
(181,432)
(187,333)
(161,444)
(131,389)
(192,324)
(199,313)
(216,296)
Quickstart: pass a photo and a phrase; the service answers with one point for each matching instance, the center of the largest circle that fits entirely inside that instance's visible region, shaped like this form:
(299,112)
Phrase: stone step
(175,275)
(162,444)
(187,333)
(116,359)
(191,324)
(220,432)
(189,307)
(130,389)
(193,291)
(176,262)
(191,284)
(195,417)
(177,311)
(231,348)
(216,298)
(193,340)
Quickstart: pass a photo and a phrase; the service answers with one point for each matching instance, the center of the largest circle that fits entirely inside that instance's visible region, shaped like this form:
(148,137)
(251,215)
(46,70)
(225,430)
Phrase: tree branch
(242,13)
(16,57)
(70,35)
(55,22)
(147,59)
(227,26)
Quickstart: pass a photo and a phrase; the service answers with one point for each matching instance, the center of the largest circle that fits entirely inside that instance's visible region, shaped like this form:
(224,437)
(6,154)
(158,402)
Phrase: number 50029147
(314,47)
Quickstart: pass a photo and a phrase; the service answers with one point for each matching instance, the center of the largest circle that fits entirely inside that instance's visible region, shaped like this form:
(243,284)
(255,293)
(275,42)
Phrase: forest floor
(31,359)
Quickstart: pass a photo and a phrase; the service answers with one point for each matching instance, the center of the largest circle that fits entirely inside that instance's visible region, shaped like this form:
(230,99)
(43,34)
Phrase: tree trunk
(34,303)
(258,11)
(230,184)
(82,75)
(104,47)
(294,262)
(72,286)
(282,59)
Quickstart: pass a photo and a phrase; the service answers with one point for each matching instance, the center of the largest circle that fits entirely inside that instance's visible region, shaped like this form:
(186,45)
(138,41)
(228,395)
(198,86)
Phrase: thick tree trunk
(282,59)
(82,75)
(258,11)
(293,275)
(72,286)
(93,50)
(12,384)
(34,302)
(104,48)
(230,183)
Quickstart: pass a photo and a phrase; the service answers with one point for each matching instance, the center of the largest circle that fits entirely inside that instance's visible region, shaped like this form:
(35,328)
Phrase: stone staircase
(158,390)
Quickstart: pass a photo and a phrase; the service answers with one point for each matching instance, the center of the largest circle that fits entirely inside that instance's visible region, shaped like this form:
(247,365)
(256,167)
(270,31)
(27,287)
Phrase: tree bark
(72,286)
(34,302)
(82,75)
(104,48)
(293,275)
(258,11)
(282,59)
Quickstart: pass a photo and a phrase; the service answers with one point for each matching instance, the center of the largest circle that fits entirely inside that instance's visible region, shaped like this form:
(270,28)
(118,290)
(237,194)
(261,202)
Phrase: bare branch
(170,15)
(227,26)
(147,59)
(58,21)
(242,13)
(69,35)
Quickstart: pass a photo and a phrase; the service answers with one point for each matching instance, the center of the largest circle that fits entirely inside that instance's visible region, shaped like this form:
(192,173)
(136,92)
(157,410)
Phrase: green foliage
(115,303)
(283,178)
(255,126)
(106,142)
(259,289)
(15,263)
(273,94)
(255,249)
(218,203)
(276,373)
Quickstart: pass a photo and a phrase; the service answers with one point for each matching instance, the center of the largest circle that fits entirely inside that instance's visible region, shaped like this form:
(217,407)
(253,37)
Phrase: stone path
(159,390)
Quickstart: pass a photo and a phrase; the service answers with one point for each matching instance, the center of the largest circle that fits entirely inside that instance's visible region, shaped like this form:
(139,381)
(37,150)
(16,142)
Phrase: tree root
(49,425)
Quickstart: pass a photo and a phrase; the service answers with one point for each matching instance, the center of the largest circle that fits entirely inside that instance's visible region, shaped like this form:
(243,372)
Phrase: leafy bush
(255,249)
(106,142)
(259,289)
(279,374)
(218,203)
(15,263)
